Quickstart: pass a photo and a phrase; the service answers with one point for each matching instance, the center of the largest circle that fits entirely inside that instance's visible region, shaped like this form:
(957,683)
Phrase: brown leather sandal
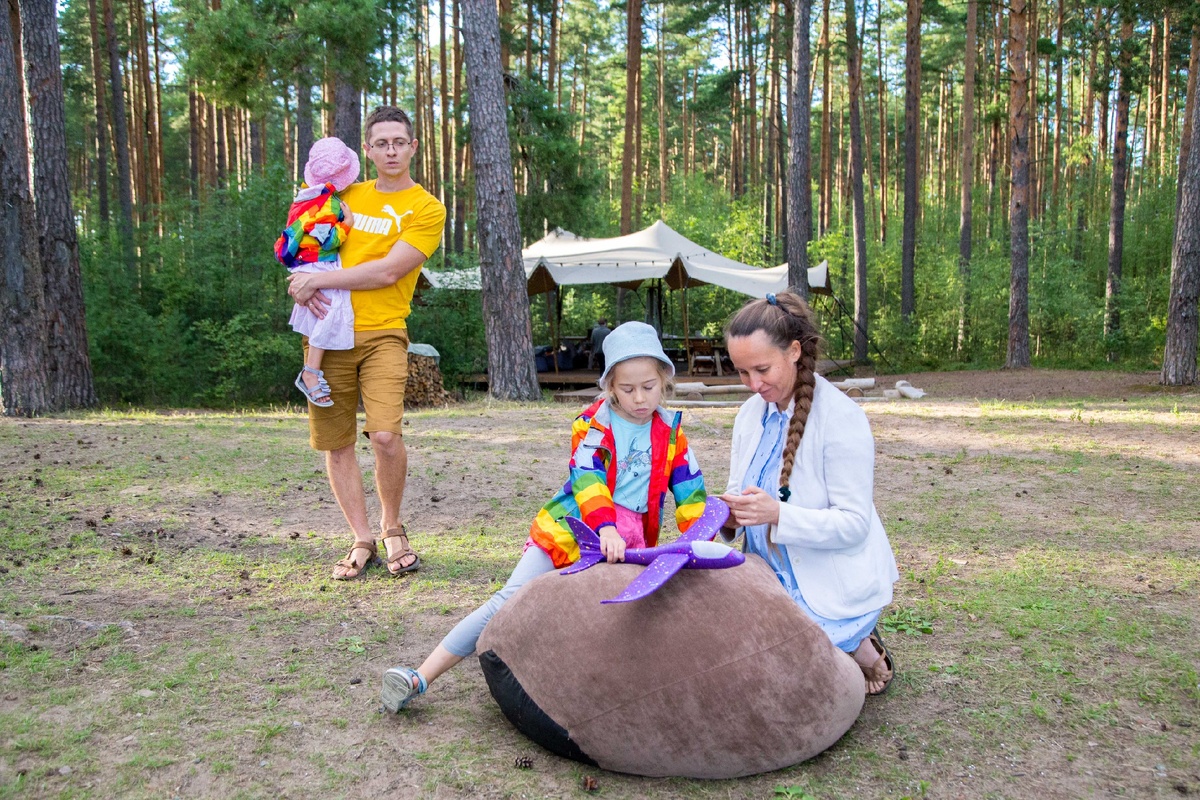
(400,533)
(348,561)
(883,668)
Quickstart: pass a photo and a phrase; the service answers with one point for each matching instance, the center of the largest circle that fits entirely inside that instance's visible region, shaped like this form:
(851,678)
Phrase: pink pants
(632,527)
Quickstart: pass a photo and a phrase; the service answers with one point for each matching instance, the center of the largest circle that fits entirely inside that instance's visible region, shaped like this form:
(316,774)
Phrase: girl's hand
(611,543)
(347,215)
(752,507)
(306,295)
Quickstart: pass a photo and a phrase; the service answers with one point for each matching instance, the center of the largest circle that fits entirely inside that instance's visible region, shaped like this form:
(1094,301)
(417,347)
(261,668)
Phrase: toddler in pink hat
(318,222)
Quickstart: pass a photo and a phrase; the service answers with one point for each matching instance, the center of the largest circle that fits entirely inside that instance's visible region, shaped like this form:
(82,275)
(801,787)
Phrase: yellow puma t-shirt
(381,219)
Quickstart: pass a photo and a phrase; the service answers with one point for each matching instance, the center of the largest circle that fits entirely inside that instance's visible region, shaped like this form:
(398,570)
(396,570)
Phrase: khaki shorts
(377,370)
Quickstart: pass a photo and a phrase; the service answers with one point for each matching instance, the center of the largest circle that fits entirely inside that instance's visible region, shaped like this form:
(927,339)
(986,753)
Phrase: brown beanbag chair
(718,674)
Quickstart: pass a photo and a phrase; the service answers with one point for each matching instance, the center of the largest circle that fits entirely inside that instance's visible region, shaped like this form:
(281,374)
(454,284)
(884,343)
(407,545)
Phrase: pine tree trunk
(639,172)
(146,118)
(883,142)
(347,112)
(194,151)
(529,18)
(735,110)
(426,116)
(912,114)
(69,372)
(159,162)
(505,26)
(208,142)
(256,148)
(448,185)
(460,194)
(751,172)
(304,120)
(799,180)
(1120,175)
(854,82)
(772,134)
(1018,114)
(633,56)
(1179,354)
(219,133)
(996,137)
(825,187)
(1059,123)
(552,82)
(120,143)
(1185,143)
(511,371)
(1164,92)
(663,165)
(24,382)
(1035,154)
(101,116)
(966,179)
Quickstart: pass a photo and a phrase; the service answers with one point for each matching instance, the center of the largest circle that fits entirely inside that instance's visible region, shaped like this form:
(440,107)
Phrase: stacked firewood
(424,383)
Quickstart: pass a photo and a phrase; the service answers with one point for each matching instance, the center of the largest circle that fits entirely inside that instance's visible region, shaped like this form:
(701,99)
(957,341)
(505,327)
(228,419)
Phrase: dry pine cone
(523,762)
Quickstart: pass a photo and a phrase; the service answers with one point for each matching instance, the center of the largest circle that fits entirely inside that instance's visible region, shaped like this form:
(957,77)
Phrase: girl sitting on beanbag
(626,452)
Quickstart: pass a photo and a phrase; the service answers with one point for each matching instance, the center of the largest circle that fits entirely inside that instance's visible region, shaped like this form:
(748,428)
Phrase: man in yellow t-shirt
(397,225)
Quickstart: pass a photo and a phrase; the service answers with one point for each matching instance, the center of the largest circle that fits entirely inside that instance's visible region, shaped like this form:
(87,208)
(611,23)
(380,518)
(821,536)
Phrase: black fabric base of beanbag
(524,714)
(718,674)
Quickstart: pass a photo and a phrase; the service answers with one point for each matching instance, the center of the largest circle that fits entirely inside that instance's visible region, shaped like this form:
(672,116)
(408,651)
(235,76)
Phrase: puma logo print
(380,225)
(391,212)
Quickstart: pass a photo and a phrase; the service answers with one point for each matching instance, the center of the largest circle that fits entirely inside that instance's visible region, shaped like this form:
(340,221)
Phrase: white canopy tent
(656,253)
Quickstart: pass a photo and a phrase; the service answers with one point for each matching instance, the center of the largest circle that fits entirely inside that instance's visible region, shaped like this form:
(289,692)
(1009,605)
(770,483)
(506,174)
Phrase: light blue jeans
(461,640)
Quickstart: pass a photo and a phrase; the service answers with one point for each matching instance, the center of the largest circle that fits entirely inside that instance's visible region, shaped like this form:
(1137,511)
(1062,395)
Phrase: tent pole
(554,328)
(658,308)
(687,331)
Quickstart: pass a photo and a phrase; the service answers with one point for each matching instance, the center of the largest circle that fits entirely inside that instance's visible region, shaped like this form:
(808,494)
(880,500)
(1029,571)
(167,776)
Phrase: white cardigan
(829,528)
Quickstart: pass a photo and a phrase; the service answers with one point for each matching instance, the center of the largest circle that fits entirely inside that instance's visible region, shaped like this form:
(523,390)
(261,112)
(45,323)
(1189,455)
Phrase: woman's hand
(305,294)
(752,507)
(611,543)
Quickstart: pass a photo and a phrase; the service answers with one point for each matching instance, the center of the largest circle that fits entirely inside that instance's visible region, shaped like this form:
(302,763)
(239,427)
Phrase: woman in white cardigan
(801,482)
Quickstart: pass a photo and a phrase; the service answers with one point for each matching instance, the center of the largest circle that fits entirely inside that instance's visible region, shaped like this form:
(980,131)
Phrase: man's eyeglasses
(384,144)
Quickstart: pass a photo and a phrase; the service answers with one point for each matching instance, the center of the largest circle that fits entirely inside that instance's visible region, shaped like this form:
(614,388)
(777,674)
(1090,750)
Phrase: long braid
(806,381)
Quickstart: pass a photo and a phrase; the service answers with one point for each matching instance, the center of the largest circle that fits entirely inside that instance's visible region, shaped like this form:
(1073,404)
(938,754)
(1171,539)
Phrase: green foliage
(451,321)
(204,321)
(562,189)
(907,621)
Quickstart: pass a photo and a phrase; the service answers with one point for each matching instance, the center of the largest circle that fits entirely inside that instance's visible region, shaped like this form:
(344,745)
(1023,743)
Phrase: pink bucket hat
(331,161)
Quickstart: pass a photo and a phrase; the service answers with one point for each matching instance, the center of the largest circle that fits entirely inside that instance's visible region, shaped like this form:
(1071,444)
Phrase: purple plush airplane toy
(692,550)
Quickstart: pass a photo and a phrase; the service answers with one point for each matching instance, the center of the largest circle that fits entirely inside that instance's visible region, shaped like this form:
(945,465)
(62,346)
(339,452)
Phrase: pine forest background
(187,124)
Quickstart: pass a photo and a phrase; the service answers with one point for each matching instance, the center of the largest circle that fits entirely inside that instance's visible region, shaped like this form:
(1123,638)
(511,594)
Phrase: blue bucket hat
(633,340)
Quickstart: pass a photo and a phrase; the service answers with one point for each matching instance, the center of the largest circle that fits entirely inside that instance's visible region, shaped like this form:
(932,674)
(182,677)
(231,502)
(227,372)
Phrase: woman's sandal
(401,684)
(405,550)
(318,395)
(349,563)
(872,673)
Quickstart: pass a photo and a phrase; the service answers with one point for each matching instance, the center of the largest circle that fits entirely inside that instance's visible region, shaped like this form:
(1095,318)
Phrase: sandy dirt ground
(933,456)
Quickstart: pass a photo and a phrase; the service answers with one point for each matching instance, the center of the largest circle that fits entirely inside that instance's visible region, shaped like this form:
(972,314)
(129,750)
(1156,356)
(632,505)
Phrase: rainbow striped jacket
(587,494)
(315,229)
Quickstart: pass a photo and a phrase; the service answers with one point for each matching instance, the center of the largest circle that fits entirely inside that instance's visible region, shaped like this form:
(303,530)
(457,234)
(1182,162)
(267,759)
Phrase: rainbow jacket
(587,494)
(315,229)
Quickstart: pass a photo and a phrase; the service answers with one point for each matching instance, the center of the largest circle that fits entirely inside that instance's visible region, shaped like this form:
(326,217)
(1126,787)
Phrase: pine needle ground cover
(168,626)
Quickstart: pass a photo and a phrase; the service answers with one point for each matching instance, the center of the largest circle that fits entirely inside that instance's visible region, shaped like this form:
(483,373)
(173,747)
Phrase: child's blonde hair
(668,380)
